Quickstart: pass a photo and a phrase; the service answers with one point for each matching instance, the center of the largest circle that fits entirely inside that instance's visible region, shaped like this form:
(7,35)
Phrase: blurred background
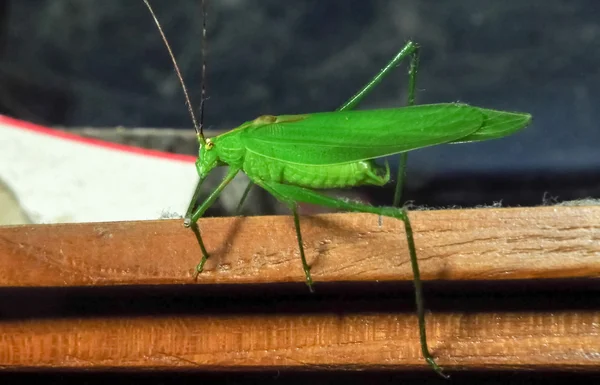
(92,66)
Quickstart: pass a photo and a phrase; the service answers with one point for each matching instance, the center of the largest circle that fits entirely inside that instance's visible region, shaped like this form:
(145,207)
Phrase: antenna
(198,128)
(203,89)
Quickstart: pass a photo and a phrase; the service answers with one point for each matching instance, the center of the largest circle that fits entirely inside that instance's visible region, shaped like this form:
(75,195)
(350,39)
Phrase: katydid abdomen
(365,172)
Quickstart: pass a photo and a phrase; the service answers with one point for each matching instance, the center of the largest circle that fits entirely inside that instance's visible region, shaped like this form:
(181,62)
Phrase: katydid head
(208,157)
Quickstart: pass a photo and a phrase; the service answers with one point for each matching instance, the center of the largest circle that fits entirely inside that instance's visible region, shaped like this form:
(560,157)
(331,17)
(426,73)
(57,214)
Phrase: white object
(60,177)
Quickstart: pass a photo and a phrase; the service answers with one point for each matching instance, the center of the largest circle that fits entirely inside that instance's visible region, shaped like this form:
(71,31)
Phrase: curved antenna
(198,128)
(203,89)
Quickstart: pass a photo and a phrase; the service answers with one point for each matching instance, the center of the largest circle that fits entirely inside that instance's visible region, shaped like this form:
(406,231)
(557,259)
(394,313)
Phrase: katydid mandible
(291,156)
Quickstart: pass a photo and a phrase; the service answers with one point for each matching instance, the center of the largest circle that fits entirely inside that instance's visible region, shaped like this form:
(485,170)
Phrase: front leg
(192,215)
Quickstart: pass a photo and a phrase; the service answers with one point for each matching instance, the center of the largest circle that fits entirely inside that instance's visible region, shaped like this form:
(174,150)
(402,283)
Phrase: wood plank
(477,244)
(517,340)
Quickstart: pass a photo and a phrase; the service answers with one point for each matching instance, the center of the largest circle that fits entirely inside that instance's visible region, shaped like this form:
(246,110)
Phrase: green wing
(349,136)
(497,124)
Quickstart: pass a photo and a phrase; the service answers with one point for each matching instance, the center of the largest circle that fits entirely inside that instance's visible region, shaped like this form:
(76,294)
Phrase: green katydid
(291,156)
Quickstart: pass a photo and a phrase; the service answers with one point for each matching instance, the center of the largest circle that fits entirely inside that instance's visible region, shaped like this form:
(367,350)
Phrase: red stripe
(94,142)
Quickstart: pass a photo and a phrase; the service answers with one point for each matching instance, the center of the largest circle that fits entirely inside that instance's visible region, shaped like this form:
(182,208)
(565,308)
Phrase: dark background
(103,64)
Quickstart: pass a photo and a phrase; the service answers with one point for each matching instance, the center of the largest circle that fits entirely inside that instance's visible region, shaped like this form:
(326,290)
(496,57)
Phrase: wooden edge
(495,341)
(476,244)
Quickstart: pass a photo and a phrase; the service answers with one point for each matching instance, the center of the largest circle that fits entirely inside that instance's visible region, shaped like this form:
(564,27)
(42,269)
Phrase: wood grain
(478,244)
(524,340)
